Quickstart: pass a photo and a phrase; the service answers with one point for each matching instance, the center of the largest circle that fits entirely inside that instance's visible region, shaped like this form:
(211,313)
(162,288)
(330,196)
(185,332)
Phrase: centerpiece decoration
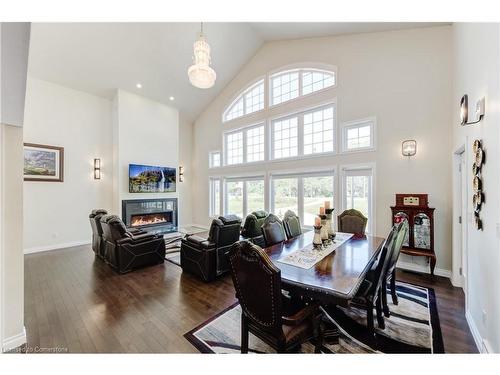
(317,240)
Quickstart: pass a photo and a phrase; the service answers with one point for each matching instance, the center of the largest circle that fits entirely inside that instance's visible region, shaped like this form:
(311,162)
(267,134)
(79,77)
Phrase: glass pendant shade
(200,74)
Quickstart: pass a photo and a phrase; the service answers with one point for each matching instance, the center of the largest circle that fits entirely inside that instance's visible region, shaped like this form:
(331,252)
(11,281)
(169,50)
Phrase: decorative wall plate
(476,145)
(474,200)
(477,184)
(479,223)
(474,169)
(479,158)
(479,198)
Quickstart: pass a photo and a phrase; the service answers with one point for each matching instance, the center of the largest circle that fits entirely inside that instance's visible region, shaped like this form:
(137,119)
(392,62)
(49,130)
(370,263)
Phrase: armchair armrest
(307,312)
(139,238)
(200,242)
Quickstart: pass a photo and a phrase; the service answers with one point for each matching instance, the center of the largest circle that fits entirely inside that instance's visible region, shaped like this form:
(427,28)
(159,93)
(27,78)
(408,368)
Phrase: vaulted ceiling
(99,58)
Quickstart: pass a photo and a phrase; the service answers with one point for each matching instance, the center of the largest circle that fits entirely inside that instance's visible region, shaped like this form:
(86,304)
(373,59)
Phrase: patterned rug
(413,327)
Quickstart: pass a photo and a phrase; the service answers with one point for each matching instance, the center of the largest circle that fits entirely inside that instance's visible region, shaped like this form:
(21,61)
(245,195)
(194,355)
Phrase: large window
(214,159)
(285,138)
(306,133)
(357,192)
(318,131)
(249,101)
(288,85)
(244,195)
(245,145)
(358,135)
(215,196)
(303,193)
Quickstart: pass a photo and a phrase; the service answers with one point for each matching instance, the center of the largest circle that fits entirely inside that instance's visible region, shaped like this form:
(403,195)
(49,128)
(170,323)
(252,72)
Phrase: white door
(462,182)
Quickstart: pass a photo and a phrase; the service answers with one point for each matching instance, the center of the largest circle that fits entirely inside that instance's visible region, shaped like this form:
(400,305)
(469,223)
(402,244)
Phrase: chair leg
(383,294)
(319,332)
(393,288)
(244,334)
(369,318)
(380,316)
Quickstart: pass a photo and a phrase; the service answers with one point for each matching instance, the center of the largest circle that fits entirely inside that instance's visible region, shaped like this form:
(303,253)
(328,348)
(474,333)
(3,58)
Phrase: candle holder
(317,242)
(329,224)
(324,229)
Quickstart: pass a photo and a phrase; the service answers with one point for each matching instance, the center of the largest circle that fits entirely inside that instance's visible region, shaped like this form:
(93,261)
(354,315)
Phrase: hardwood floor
(76,303)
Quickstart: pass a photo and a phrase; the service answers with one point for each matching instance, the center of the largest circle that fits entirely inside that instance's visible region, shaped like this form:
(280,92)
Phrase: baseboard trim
(475,332)
(39,249)
(423,269)
(15,341)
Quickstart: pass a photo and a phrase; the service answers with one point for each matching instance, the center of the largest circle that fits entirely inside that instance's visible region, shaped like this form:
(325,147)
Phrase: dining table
(336,278)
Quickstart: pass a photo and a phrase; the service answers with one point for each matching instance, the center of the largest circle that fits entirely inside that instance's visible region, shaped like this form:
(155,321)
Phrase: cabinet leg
(433,264)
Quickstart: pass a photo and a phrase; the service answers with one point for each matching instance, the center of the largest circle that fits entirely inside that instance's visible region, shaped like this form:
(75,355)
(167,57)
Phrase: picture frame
(43,163)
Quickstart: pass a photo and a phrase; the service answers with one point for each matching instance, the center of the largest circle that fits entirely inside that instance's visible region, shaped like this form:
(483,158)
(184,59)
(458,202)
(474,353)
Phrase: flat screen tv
(151,179)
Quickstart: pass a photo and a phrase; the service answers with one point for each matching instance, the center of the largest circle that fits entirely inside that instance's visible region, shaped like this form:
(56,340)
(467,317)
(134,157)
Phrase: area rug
(413,327)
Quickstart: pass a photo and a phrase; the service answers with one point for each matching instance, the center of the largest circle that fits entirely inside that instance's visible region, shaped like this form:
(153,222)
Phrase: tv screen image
(151,179)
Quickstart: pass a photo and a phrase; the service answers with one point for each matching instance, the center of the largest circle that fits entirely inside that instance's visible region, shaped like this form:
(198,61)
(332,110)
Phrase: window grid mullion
(300,134)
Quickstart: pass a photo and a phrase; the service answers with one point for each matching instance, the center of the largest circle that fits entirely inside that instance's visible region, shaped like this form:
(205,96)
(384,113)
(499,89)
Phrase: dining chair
(266,312)
(390,275)
(291,222)
(352,221)
(273,231)
(369,293)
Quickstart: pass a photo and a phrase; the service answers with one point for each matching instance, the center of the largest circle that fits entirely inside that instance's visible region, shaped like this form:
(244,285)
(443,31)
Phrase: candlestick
(324,229)
(327,205)
(317,221)
(322,210)
(317,242)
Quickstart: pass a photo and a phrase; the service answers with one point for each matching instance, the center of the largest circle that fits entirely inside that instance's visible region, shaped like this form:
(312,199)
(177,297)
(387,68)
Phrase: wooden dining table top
(337,276)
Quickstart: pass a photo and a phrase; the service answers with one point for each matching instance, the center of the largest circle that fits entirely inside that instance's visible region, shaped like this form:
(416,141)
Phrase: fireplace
(154,215)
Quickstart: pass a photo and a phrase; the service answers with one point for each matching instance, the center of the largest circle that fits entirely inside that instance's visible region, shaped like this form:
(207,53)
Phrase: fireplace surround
(158,215)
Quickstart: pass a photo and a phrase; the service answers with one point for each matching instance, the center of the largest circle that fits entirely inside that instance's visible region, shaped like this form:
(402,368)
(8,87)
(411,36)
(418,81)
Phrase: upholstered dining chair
(291,222)
(252,227)
(390,275)
(352,221)
(266,312)
(369,293)
(273,231)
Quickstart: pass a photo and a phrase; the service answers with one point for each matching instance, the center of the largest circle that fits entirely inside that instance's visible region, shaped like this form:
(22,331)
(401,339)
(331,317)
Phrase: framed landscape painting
(43,163)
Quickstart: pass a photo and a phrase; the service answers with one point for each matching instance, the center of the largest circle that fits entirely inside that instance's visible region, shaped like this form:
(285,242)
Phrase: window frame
(241,95)
(345,170)
(243,179)
(345,126)
(301,68)
(300,113)
(244,131)
(300,175)
(211,161)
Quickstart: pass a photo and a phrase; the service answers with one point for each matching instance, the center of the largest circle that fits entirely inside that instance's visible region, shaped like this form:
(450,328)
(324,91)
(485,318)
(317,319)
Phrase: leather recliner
(125,250)
(208,258)
(252,230)
(98,244)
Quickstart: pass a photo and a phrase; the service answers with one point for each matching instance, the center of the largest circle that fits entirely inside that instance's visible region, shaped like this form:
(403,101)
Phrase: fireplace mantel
(166,207)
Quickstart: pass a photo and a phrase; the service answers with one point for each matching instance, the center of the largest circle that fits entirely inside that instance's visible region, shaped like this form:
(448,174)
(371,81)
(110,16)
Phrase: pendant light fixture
(200,74)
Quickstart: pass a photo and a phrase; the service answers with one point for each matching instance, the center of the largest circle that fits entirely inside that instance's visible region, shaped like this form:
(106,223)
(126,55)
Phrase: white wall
(56,214)
(476,73)
(401,77)
(186,160)
(144,132)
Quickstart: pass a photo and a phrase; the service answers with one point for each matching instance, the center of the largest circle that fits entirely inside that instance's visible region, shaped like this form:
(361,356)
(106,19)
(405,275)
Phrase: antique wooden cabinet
(420,239)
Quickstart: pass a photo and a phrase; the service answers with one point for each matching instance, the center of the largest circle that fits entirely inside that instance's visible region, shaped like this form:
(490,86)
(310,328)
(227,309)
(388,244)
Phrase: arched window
(288,85)
(249,101)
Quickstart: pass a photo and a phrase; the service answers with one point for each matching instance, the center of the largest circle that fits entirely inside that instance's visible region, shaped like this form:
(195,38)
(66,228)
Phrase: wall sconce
(181,173)
(464,111)
(409,148)
(97,169)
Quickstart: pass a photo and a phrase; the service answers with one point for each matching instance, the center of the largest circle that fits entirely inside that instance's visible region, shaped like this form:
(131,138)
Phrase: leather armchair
(291,223)
(273,231)
(352,221)
(252,230)
(98,244)
(207,258)
(126,251)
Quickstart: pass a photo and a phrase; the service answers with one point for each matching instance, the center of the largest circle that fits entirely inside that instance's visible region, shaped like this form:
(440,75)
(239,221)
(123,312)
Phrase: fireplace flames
(149,219)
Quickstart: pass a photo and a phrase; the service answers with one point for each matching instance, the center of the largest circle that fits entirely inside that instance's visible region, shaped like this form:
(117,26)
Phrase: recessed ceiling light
(172,98)
(138,85)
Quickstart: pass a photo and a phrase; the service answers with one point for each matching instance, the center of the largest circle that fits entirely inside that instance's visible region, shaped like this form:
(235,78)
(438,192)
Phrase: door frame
(460,208)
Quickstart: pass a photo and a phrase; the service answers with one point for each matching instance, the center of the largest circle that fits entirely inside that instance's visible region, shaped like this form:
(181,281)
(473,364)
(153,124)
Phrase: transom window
(234,148)
(249,101)
(255,144)
(245,145)
(358,135)
(285,86)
